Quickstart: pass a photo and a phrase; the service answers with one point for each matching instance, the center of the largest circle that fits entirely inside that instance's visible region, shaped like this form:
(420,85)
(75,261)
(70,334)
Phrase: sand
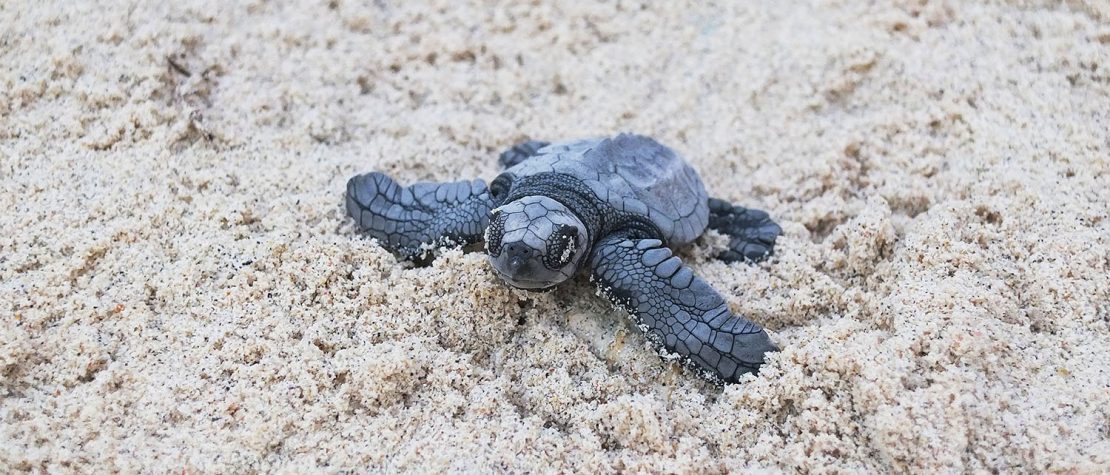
(180,290)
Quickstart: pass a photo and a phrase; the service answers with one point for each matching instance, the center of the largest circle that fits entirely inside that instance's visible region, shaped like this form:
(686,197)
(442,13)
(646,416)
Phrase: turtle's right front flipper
(678,310)
(405,218)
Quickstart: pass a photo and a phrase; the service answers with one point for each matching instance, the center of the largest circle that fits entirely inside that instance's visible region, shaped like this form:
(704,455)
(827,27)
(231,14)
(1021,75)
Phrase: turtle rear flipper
(409,219)
(751,232)
(679,312)
(520,152)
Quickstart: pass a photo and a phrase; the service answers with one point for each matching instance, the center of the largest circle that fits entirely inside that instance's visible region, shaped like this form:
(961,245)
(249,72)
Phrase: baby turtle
(614,205)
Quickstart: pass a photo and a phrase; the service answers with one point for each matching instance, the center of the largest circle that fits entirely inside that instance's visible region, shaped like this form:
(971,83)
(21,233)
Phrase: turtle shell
(635,174)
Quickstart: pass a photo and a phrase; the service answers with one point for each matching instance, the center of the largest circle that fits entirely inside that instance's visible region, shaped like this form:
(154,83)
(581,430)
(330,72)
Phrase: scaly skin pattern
(408,220)
(677,310)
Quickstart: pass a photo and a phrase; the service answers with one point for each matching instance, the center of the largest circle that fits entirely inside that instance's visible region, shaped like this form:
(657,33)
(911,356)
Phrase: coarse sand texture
(181,291)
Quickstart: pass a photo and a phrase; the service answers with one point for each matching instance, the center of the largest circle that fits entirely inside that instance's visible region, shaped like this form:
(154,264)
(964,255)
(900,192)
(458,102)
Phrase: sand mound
(180,290)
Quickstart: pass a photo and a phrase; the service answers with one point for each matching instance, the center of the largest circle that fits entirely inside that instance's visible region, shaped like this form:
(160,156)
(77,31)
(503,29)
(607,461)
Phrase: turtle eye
(561,246)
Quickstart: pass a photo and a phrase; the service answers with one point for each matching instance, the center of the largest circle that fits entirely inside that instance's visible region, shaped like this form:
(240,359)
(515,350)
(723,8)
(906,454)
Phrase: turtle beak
(518,258)
(515,263)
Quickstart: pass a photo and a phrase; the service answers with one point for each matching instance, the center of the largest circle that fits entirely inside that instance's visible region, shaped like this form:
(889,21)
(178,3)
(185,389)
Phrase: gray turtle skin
(616,206)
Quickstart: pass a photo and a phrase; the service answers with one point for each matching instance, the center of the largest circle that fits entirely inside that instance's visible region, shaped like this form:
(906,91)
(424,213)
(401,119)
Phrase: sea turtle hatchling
(614,205)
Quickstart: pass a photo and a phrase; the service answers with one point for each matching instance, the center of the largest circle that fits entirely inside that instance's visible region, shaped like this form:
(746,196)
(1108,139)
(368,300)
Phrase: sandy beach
(181,291)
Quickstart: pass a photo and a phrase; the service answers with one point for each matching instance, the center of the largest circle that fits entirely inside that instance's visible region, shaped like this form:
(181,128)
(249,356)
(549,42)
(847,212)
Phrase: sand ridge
(180,290)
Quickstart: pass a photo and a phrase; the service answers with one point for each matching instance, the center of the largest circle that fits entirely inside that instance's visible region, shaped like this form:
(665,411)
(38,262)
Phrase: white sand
(181,292)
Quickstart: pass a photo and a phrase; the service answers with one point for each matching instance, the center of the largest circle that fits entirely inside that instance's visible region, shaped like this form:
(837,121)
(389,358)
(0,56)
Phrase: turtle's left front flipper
(677,309)
(404,218)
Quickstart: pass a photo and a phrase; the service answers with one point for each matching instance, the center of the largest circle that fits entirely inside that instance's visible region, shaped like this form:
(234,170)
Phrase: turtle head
(535,242)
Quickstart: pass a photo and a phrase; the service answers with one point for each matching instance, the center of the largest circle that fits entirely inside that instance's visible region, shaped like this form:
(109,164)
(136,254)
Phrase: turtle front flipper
(751,232)
(679,312)
(520,152)
(408,220)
